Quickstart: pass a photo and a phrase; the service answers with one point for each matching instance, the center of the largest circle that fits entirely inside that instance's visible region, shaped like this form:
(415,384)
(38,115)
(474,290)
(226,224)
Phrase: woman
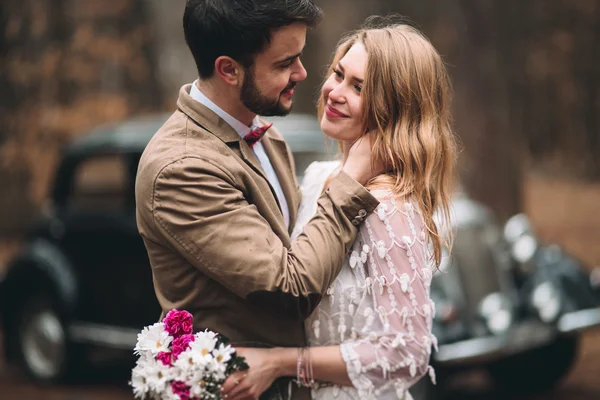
(373,328)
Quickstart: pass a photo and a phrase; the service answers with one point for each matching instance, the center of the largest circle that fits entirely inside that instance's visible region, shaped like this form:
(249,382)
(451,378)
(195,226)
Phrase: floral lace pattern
(378,309)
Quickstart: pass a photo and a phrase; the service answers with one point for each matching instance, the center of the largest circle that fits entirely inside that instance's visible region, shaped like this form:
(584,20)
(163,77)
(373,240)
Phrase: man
(215,211)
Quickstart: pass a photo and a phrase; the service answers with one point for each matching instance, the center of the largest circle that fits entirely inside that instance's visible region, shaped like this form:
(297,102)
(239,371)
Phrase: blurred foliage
(66,66)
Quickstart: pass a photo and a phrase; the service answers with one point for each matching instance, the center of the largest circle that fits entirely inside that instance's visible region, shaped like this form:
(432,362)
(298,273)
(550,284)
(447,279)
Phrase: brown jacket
(216,237)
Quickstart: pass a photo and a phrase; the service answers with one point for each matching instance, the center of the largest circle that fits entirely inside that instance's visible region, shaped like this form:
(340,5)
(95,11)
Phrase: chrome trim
(44,344)
(522,337)
(104,335)
(595,277)
(578,320)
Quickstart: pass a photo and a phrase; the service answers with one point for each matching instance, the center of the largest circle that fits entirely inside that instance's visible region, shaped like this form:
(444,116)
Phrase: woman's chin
(329,130)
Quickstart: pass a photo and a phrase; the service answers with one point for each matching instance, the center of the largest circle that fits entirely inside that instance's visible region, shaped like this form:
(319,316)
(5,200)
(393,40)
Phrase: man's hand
(359,164)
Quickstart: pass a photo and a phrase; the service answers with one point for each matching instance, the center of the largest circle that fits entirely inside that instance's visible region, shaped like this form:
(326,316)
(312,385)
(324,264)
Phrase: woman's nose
(337,94)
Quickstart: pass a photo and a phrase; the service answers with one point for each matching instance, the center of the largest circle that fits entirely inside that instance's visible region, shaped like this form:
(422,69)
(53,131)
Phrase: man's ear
(229,70)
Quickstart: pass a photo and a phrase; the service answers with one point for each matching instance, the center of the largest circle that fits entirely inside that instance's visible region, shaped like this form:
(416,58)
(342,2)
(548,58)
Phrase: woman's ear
(229,70)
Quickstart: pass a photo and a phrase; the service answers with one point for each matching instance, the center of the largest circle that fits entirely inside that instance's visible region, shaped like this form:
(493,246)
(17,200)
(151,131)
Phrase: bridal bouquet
(176,364)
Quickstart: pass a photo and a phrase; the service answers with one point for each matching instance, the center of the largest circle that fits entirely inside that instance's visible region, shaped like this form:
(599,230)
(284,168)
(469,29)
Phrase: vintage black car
(508,304)
(83,280)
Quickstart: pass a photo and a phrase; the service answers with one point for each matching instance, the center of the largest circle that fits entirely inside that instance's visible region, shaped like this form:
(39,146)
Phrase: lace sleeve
(392,349)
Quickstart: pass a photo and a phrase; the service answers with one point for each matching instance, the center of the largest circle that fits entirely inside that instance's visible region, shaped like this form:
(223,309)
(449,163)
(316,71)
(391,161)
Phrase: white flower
(153,339)
(145,356)
(143,362)
(222,355)
(216,370)
(169,395)
(138,382)
(204,343)
(197,384)
(190,361)
(158,375)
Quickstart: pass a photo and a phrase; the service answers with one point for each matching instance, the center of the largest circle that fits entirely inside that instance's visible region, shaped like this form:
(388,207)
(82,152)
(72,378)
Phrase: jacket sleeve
(225,237)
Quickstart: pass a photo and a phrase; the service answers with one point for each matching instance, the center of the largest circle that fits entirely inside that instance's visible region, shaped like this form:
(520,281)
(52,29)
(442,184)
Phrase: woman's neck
(345,151)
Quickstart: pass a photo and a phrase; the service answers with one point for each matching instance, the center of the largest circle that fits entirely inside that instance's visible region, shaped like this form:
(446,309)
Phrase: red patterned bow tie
(256,134)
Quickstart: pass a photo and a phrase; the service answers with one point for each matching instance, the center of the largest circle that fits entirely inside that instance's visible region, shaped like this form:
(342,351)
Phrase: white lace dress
(378,309)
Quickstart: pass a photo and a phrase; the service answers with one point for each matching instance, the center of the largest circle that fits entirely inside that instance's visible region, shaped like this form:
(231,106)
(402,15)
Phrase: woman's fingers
(232,382)
(242,387)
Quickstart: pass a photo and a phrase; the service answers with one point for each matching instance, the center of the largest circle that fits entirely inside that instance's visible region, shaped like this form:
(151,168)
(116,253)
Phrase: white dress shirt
(258,148)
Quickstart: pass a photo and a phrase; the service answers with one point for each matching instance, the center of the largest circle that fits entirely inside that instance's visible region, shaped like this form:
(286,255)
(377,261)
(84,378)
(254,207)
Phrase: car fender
(569,276)
(41,260)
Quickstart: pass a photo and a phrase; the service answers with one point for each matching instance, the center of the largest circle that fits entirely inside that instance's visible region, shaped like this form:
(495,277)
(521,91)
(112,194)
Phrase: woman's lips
(333,113)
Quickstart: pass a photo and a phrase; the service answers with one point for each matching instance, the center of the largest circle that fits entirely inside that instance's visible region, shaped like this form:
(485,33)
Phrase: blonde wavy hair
(406,99)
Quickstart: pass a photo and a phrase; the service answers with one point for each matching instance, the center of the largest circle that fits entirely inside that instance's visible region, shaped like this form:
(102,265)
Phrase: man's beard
(255,101)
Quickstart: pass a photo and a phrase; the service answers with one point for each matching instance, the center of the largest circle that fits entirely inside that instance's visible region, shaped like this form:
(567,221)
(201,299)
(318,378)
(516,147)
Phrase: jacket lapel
(210,121)
(278,154)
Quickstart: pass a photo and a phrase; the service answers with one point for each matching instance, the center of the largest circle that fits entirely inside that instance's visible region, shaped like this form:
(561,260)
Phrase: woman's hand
(359,163)
(251,383)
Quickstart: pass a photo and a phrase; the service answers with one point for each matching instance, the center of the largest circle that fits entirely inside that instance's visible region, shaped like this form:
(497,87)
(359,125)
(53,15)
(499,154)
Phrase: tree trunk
(67,66)
(560,72)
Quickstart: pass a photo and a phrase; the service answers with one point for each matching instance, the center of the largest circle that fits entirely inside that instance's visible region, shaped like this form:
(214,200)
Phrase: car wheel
(537,370)
(42,341)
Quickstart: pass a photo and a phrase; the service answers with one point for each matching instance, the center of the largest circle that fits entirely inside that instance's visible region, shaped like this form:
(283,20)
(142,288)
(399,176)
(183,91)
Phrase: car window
(100,184)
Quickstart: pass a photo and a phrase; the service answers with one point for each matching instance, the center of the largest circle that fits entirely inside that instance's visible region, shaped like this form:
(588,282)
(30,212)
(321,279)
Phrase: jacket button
(355,222)
(362,213)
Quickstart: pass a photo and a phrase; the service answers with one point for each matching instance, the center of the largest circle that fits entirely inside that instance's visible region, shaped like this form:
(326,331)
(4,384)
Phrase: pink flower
(165,358)
(181,389)
(181,344)
(178,323)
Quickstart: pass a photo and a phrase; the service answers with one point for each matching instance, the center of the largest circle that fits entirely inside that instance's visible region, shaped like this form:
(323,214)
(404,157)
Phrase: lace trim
(360,382)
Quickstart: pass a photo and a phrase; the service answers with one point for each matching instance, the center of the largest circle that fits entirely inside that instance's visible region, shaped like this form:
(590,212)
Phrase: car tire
(538,370)
(41,337)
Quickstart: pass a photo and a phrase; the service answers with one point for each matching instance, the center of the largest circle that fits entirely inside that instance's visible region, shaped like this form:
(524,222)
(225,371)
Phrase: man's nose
(300,73)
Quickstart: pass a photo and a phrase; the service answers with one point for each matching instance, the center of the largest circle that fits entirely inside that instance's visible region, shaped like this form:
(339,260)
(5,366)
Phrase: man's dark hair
(239,28)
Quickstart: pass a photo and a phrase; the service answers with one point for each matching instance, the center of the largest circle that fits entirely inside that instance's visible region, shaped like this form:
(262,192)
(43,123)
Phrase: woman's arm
(266,365)
(395,342)
(327,364)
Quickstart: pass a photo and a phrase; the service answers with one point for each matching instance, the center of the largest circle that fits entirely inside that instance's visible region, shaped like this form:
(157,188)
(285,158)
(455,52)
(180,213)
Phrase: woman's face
(341,95)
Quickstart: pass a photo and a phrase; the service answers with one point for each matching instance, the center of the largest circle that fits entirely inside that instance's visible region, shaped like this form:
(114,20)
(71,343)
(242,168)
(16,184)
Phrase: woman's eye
(337,73)
(358,88)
